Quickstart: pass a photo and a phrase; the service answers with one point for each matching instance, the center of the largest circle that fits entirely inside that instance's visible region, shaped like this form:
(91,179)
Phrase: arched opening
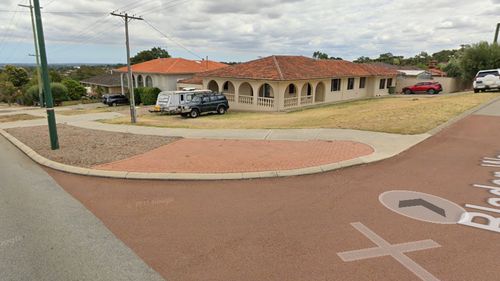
(245,93)
(306,90)
(266,91)
(245,90)
(228,88)
(213,86)
(149,81)
(320,92)
(140,81)
(291,91)
(133,82)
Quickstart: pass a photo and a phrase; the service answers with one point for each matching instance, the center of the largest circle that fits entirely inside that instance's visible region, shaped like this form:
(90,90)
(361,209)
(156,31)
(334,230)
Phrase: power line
(171,39)
(9,32)
(58,12)
(49,3)
(150,11)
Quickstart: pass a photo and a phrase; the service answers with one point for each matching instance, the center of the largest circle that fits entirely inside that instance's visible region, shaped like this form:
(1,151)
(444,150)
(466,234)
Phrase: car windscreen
(485,73)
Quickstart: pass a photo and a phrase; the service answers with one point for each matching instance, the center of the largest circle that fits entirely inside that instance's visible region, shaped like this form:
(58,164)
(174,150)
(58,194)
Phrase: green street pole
(495,41)
(49,104)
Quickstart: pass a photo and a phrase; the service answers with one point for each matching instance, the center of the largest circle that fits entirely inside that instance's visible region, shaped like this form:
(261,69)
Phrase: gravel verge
(87,148)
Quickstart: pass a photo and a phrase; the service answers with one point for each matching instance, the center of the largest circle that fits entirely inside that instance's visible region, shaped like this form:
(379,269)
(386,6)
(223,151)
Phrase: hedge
(148,95)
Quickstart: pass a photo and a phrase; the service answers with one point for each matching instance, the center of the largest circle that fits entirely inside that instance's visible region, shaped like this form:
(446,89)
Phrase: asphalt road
(46,235)
(296,228)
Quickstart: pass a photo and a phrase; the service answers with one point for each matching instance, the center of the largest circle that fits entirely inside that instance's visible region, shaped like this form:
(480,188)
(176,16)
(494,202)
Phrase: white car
(486,80)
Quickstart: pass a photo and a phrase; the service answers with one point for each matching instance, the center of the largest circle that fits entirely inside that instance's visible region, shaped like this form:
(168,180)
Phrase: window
(214,98)
(362,82)
(350,83)
(389,82)
(336,84)
(149,81)
(382,84)
(206,99)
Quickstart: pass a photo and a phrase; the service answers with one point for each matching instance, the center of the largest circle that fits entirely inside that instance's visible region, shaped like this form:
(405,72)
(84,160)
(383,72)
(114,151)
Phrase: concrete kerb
(181,176)
(375,157)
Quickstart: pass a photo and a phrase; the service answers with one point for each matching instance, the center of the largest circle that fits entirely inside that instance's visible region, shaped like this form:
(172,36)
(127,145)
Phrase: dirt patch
(17,117)
(87,148)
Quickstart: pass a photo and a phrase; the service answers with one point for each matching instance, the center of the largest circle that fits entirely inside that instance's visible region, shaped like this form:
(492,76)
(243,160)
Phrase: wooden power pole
(127,18)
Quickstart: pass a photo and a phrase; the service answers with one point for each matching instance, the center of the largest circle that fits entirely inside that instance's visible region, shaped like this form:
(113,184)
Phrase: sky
(83,31)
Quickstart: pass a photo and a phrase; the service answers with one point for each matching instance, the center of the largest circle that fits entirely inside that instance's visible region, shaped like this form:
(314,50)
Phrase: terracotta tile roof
(173,66)
(195,81)
(106,80)
(284,68)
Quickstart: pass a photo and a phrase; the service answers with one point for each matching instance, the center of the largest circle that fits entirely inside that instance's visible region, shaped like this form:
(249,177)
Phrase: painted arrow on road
(423,203)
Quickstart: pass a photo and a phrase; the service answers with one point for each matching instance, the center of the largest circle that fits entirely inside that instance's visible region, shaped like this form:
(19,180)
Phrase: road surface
(306,228)
(46,235)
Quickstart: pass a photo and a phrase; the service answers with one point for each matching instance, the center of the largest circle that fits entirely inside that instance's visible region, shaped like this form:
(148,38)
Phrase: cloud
(230,30)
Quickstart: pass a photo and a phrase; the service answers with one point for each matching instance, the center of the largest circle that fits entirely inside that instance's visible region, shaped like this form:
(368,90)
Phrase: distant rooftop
(106,80)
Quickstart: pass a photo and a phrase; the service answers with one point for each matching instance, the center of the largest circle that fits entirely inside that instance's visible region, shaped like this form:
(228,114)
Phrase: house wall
(181,86)
(450,85)
(282,100)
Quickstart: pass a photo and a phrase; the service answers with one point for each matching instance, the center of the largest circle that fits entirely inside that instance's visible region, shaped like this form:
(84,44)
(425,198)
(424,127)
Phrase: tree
(8,92)
(30,96)
(320,56)
(75,90)
(363,59)
(84,72)
(18,76)
(148,55)
(478,57)
(59,92)
(55,77)
(453,68)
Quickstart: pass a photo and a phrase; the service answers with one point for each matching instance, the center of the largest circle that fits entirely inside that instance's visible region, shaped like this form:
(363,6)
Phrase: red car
(431,88)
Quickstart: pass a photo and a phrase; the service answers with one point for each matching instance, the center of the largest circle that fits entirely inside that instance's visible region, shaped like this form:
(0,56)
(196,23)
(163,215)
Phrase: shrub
(75,90)
(30,97)
(59,92)
(149,95)
(137,95)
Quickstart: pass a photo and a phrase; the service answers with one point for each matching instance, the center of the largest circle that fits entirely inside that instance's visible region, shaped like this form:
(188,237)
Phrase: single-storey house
(279,83)
(191,83)
(164,73)
(103,84)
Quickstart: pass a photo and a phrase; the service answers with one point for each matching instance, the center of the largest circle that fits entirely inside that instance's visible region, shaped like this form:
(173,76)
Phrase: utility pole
(127,18)
(39,75)
(49,103)
(496,34)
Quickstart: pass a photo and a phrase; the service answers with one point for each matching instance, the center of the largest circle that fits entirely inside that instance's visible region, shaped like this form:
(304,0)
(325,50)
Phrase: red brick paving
(232,156)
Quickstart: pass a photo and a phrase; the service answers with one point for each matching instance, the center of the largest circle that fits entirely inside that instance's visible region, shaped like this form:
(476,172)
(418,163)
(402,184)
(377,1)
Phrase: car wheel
(476,91)
(185,115)
(194,113)
(221,110)
(431,92)
(408,92)
(114,104)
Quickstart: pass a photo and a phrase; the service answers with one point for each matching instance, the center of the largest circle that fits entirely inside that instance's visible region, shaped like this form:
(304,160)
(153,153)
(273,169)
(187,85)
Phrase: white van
(170,102)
